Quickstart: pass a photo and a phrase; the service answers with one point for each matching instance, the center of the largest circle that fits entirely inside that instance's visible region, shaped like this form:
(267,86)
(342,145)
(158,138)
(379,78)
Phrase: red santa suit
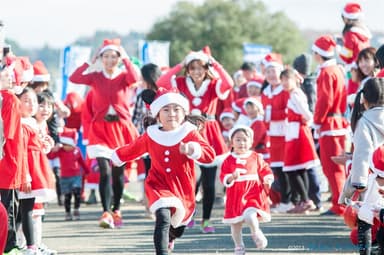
(75,104)
(204,101)
(171,179)
(261,142)
(3,227)
(300,151)
(13,165)
(247,192)
(40,172)
(72,162)
(109,99)
(274,103)
(331,125)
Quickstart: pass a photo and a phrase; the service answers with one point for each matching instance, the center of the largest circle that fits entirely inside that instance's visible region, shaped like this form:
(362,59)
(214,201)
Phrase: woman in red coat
(111,125)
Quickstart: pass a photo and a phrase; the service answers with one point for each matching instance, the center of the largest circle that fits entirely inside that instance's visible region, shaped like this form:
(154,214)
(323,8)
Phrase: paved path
(287,234)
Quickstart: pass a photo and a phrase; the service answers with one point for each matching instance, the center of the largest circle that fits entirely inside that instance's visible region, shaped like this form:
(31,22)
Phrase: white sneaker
(44,250)
(240,250)
(282,208)
(260,240)
(30,251)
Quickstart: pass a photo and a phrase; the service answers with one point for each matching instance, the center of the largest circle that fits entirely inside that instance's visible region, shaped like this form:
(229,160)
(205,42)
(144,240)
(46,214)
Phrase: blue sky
(60,22)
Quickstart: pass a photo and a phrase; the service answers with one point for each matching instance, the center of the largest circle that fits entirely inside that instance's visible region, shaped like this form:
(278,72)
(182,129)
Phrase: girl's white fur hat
(247,129)
(164,97)
(196,55)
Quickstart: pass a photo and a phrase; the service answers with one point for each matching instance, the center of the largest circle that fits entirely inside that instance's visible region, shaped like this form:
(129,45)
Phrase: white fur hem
(164,202)
(99,151)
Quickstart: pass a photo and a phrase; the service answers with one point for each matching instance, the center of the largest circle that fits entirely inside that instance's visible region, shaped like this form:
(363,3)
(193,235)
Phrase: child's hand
(237,173)
(186,149)
(26,187)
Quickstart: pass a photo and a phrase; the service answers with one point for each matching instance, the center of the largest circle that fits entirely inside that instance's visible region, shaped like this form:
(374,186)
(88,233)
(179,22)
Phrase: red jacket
(356,39)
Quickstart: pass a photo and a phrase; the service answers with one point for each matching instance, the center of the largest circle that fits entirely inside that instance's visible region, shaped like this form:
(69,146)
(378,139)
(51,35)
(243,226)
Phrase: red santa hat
(20,70)
(255,101)
(164,97)
(377,161)
(40,72)
(110,44)
(247,129)
(74,101)
(273,60)
(238,104)
(256,82)
(196,55)
(69,136)
(324,46)
(227,113)
(352,11)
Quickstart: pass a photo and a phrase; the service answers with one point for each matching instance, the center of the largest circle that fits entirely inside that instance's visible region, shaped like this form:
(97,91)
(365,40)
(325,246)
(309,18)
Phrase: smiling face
(171,116)
(272,75)
(197,71)
(28,104)
(44,112)
(367,66)
(110,59)
(241,142)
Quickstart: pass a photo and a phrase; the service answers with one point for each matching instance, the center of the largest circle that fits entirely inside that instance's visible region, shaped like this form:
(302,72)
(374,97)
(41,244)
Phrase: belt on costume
(208,116)
(335,115)
(111,118)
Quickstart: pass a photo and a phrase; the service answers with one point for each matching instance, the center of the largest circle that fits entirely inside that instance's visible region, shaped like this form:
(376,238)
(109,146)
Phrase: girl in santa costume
(300,152)
(173,145)
(248,179)
(3,227)
(329,122)
(111,125)
(274,100)
(227,121)
(204,83)
(40,187)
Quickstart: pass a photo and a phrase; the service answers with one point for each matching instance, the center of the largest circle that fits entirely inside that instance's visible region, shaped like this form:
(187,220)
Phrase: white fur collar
(115,73)
(330,62)
(268,90)
(203,88)
(258,118)
(30,121)
(241,156)
(170,138)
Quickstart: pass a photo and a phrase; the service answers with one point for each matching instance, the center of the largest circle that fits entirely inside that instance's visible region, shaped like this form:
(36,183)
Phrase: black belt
(335,115)
(111,118)
(208,117)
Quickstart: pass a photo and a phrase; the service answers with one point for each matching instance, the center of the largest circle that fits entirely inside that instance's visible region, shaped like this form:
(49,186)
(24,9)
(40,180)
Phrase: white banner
(156,52)
(255,52)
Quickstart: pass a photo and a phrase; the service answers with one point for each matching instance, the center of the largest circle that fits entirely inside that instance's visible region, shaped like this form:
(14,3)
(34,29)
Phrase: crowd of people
(263,133)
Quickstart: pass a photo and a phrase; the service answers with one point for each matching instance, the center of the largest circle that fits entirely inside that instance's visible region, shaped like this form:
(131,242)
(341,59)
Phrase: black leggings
(164,232)
(67,202)
(208,178)
(26,210)
(364,236)
(106,174)
(299,182)
(282,184)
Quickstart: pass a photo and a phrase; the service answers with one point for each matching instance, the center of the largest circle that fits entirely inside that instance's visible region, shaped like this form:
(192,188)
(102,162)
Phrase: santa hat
(255,101)
(247,129)
(352,11)
(324,46)
(20,70)
(40,72)
(377,161)
(110,44)
(196,55)
(164,97)
(256,82)
(227,113)
(273,60)
(69,136)
(74,101)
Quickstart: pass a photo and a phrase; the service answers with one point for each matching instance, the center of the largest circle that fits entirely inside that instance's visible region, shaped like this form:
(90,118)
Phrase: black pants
(26,210)
(299,182)
(107,172)
(282,184)
(10,201)
(208,178)
(314,187)
(56,172)
(364,236)
(164,232)
(67,201)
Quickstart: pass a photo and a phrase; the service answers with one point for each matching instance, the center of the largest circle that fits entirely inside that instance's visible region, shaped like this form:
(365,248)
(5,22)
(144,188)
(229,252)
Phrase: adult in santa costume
(274,100)
(329,121)
(111,124)
(248,179)
(173,145)
(204,84)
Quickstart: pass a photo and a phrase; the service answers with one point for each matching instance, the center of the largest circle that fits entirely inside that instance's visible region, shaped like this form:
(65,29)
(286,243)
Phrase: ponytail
(357,110)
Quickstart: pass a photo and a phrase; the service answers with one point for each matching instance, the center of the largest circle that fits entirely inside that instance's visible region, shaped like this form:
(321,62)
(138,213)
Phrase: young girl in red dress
(111,125)
(173,145)
(248,179)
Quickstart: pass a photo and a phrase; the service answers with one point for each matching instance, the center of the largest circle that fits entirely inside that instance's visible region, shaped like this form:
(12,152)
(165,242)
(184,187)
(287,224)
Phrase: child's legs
(161,233)
(208,177)
(314,186)
(364,237)
(175,232)
(285,188)
(117,185)
(250,218)
(26,209)
(380,239)
(236,232)
(299,180)
(77,194)
(105,188)
(67,202)
(38,229)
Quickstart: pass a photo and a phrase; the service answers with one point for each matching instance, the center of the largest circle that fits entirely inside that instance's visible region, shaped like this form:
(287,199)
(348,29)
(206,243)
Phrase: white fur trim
(164,202)
(347,15)
(226,115)
(277,164)
(362,31)
(170,138)
(196,56)
(256,102)
(109,47)
(379,172)
(41,78)
(221,96)
(99,151)
(235,107)
(269,93)
(268,179)
(89,186)
(338,132)
(67,140)
(239,126)
(27,75)
(225,181)
(264,216)
(277,128)
(306,165)
(192,89)
(38,212)
(116,160)
(40,195)
(115,73)
(254,84)
(169,98)
(322,52)
(196,150)
(274,64)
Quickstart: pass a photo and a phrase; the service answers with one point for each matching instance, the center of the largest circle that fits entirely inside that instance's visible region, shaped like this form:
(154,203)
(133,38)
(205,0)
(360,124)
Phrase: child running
(173,146)
(248,179)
